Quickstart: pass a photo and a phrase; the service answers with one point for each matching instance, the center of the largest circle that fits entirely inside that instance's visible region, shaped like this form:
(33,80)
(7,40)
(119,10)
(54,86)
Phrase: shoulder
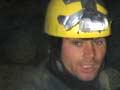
(49,80)
(112,76)
(31,77)
(40,78)
(24,77)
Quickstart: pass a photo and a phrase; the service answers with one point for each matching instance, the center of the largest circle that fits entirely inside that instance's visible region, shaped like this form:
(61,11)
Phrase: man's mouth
(87,68)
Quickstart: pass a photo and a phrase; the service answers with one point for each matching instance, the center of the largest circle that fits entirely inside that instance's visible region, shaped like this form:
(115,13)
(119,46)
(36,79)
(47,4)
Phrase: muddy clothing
(57,78)
(51,76)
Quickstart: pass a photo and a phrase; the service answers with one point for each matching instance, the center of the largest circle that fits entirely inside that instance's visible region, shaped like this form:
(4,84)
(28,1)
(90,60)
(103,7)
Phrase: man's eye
(77,43)
(100,41)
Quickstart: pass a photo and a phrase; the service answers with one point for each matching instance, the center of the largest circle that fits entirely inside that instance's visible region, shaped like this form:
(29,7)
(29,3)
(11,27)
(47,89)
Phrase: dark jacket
(41,78)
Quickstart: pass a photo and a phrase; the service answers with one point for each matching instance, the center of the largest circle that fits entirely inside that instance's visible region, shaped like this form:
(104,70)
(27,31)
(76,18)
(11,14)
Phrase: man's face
(83,57)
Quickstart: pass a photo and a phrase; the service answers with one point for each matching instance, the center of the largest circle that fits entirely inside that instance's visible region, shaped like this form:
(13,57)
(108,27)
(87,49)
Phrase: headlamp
(89,20)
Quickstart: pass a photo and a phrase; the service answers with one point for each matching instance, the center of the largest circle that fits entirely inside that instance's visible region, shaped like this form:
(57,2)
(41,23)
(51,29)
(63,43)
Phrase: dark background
(21,31)
(22,41)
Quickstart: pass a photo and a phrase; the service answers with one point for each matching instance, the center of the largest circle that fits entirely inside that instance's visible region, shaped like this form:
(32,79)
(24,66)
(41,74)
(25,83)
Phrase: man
(78,46)
(78,30)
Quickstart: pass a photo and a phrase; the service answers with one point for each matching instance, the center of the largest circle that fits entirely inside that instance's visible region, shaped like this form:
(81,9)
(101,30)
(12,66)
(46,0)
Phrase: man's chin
(87,77)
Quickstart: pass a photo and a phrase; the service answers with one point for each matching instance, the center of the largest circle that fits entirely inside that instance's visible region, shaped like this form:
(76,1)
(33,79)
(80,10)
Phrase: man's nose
(89,50)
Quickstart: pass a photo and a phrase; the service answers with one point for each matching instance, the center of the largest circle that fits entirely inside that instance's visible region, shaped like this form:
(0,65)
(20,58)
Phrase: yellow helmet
(77,19)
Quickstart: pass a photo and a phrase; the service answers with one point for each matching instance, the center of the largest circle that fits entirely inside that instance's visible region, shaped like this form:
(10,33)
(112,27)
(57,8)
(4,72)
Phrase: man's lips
(87,68)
